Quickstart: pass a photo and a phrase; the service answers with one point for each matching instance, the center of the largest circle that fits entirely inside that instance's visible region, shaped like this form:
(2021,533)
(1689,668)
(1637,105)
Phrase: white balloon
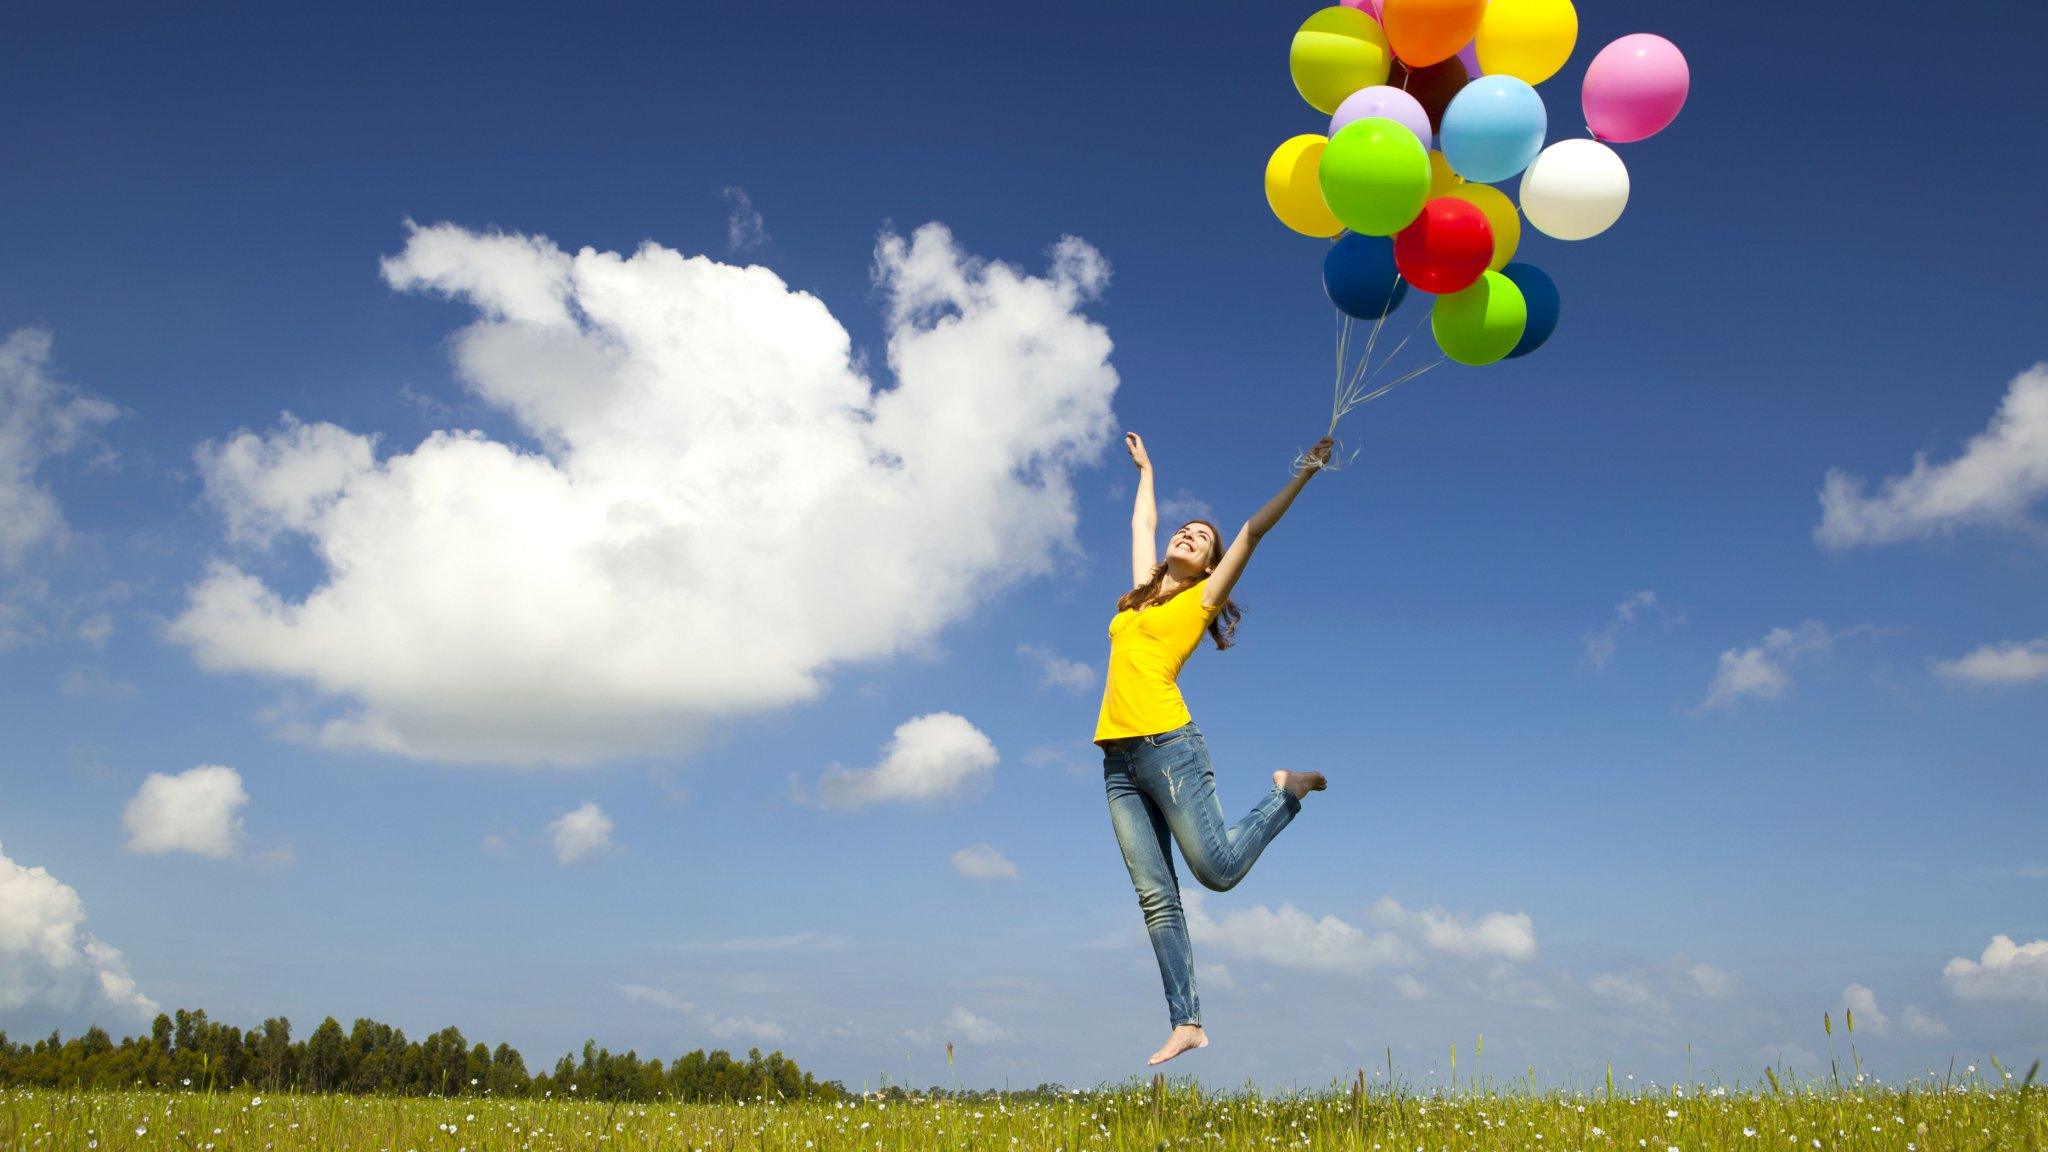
(1575,189)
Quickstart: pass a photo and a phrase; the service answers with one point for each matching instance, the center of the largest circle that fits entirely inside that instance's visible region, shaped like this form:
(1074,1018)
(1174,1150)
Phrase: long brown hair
(1223,629)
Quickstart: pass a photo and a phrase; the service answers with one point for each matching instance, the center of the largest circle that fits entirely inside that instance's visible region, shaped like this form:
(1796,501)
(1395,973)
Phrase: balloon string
(1343,357)
(1402,344)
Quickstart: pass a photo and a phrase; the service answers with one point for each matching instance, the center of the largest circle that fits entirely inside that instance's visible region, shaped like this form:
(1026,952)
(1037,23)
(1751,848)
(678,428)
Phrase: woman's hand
(1135,445)
(1320,454)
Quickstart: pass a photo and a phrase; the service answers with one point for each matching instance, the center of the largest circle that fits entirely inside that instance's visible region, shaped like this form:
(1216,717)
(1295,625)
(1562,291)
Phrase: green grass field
(1972,1113)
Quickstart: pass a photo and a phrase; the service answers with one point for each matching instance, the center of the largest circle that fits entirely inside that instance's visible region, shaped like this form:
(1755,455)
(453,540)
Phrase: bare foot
(1299,784)
(1185,1037)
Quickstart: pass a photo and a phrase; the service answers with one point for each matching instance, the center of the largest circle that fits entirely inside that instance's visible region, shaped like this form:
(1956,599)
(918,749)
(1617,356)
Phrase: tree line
(187,1050)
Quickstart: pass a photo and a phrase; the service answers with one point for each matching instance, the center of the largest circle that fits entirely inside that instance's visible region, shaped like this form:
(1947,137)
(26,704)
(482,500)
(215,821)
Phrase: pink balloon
(1369,7)
(1634,87)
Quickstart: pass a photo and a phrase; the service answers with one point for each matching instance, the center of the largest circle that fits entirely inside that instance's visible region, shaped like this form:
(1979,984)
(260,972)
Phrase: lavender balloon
(1469,55)
(1386,103)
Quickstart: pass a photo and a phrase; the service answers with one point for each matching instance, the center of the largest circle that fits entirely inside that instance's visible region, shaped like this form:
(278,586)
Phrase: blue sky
(1827,264)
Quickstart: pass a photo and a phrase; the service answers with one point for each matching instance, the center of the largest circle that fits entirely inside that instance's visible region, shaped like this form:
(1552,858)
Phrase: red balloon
(1447,248)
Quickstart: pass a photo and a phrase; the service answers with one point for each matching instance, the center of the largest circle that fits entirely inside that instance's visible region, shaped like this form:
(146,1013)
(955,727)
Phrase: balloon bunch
(1398,76)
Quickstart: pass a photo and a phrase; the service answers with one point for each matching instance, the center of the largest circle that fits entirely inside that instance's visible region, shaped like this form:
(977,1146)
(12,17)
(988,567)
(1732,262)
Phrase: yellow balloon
(1338,51)
(1441,178)
(1527,39)
(1500,213)
(1295,189)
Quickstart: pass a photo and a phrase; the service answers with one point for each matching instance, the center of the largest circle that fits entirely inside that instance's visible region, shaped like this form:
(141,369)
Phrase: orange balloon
(1425,32)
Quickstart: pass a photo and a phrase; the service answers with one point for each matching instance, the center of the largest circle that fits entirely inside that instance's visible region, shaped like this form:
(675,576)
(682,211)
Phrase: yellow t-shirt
(1147,647)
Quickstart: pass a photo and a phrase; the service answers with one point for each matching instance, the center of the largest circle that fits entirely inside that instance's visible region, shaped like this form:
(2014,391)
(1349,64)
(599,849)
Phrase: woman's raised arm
(1144,515)
(1224,578)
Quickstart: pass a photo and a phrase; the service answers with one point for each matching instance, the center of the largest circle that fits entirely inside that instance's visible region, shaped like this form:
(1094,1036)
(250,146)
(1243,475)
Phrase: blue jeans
(1160,785)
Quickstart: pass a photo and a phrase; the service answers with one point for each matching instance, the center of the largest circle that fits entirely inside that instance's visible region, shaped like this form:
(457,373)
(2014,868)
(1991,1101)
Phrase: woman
(1155,766)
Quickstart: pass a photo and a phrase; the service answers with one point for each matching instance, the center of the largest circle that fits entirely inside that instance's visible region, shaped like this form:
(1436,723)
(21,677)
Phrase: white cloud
(1863,1002)
(975,1030)
(1292,938)
(1711,983)
(1507,935)
(1214,977)
(719,508)
(745,230)
(1289,937)
(2000,665)
(984,862)
(746,1028)
(1601,645)
(1923,1024)
(1184,506)
(1056,671)
(2000,475)
(283,482)
(497,845)
(1628,989)
(1764,670)
(2006,971)
(1649,992)
(197,811)
(720,1027)
(47,958)
(930,758)
(580,834)
(40,419)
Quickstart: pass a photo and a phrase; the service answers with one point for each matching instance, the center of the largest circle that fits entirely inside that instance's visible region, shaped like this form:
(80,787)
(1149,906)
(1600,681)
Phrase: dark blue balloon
(1360,276)
(1540,291)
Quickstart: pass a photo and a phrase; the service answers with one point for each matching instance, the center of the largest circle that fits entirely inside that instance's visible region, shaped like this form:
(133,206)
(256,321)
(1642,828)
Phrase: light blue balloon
(1493,128)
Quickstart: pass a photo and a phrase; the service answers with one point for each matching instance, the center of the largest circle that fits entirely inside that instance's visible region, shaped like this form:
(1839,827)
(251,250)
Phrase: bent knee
(1158,901)
(1215,881)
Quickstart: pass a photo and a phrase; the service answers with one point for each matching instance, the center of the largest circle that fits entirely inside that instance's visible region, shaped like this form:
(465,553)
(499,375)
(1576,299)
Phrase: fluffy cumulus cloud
(976,1030)
(1650,994)
(1999,665)
(1764,670)
(1863,1002)
(580,834)
(1289,937)
(984,862)
(47,959)
(281,482)
(2000,476)
(197,811)
(710,504)
(1869,1017)
(931,758)
(41,418)
(1507,935)
(2006,971)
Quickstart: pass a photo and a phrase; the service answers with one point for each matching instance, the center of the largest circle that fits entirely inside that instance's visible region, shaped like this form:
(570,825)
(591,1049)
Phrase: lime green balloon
(1482,323)
(1338,51)
(1375,176)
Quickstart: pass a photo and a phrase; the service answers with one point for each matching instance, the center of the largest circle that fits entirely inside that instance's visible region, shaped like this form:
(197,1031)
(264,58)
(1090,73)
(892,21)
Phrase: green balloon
(1482,323)
(1375,176)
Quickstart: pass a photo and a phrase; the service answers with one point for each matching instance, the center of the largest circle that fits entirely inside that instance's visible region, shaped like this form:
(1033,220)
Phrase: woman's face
(1190,548)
